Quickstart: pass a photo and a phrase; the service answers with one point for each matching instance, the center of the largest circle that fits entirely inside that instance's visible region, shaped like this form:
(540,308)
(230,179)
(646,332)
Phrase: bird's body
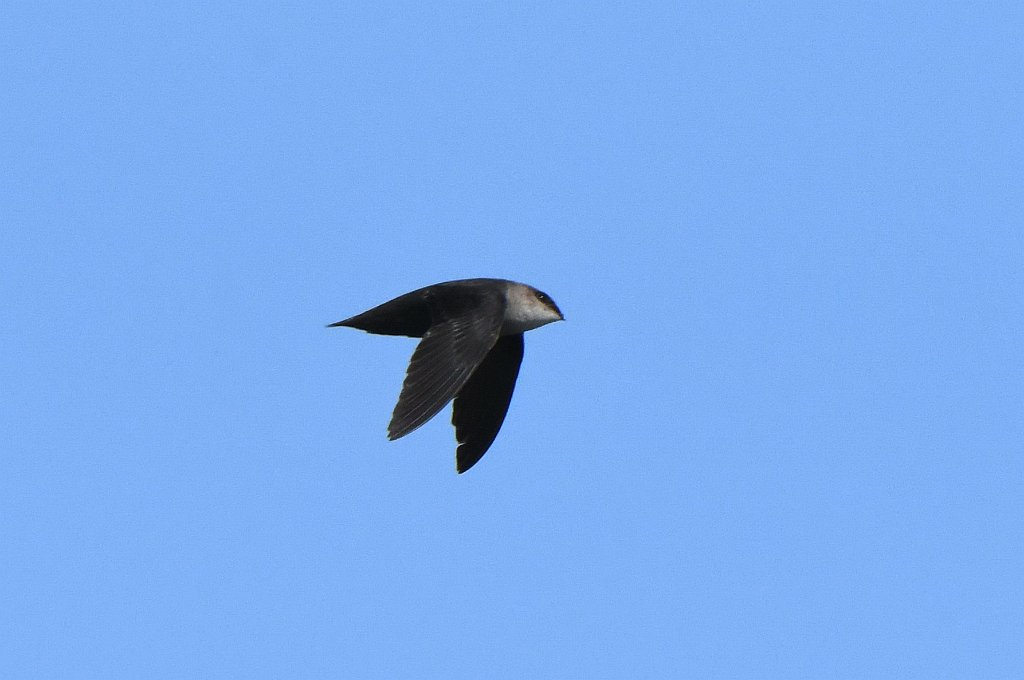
(471,349)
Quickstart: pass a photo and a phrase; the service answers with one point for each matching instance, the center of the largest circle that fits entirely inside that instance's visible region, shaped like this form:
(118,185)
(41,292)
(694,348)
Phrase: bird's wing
(480,408)
(444,360)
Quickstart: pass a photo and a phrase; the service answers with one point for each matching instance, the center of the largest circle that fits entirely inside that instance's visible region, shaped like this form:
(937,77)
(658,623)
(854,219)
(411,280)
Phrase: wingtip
(397,430)
(464,461)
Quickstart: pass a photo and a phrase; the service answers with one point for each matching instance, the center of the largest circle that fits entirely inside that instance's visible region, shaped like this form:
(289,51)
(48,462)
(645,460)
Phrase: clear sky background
(779,434)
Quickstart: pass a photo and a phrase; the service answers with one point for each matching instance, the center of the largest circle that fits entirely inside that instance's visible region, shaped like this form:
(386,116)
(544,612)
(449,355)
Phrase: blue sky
(778,436)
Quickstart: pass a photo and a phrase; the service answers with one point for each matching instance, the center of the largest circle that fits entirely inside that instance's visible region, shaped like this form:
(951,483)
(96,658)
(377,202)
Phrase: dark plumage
(471,350)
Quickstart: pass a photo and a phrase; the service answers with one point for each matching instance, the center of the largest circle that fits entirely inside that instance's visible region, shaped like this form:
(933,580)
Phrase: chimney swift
(471,349)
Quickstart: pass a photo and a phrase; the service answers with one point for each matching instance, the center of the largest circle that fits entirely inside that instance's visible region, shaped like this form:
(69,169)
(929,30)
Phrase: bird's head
(528,308)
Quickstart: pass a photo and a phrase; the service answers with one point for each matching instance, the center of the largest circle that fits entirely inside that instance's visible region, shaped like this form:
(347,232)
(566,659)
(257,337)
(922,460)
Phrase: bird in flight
(471,349)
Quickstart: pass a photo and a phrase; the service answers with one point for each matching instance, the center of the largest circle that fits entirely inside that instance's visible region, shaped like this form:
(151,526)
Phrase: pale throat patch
(524,312)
